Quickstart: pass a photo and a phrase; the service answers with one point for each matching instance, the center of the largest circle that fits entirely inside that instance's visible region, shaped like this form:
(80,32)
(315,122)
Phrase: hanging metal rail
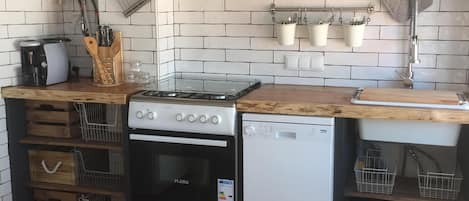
(370,9)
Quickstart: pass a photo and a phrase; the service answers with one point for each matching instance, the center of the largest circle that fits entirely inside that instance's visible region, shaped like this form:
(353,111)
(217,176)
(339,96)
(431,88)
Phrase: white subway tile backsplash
(353,3)
(271,69)
(3,31)
(201,5)
(143,44)
(249,56)
(189,17)
(12,18)
(454,5)
(401,60)
(202,30)
(189,66)
(135,31)
(402,32)
(454,33)
(189,42)
(384,46)
(250,30)
(444,18)
(351,83)
(140,18)
(271,44)
(453,62)
(338,72)
(227,42)
(333,45)
(114,18)
(356,59)
(227,17)
(376,73)
(300,3)
(203,55)
(299,81)
(444,47)
(261,18)
(227,68)
(439,75)
(165,31)
(23,5)
(247,5)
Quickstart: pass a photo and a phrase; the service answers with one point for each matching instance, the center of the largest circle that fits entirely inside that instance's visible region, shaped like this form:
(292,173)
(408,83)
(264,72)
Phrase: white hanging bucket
(318,34)
(354,32)
(286,33)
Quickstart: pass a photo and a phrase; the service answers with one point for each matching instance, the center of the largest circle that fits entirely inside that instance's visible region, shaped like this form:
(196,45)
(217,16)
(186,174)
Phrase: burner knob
(203,119)
(215,120)
(191,118)
(179,117)
(139,115)
(151,115)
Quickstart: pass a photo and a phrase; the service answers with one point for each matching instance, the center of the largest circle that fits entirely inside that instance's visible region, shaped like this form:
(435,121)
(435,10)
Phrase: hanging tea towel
(400,9)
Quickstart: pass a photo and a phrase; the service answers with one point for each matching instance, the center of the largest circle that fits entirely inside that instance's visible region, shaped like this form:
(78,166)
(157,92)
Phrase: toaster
(44,62)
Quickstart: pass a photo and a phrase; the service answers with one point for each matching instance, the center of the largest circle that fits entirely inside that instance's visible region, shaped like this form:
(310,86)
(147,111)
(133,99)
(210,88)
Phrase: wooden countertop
(80,91)
(335,102)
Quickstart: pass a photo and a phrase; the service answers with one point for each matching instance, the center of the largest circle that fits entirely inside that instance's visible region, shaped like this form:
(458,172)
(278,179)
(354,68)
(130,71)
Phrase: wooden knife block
(108,68)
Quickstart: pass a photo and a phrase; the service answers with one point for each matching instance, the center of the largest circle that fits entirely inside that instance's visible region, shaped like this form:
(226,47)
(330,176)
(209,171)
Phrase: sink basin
(413,132)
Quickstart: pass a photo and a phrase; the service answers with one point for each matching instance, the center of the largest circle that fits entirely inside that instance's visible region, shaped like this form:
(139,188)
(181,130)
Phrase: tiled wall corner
(140,37)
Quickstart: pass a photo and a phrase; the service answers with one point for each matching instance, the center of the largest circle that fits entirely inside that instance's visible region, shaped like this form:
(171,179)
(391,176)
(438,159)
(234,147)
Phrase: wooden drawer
(53,167)
(52,119)
(44,195)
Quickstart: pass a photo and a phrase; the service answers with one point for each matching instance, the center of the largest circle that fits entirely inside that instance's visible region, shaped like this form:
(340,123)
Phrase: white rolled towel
(400,9)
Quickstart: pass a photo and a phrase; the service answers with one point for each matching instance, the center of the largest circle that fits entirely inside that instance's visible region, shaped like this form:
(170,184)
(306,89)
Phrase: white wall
(235,38)
(19,20)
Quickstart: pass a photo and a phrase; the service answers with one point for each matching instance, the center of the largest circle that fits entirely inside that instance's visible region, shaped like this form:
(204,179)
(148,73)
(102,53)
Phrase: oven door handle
(178,140)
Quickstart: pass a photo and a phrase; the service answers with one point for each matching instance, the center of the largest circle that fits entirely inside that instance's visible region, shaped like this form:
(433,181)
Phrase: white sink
(413,132)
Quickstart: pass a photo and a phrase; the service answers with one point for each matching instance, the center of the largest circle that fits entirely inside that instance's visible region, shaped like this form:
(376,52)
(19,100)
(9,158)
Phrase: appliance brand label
(181,181)
(225,190)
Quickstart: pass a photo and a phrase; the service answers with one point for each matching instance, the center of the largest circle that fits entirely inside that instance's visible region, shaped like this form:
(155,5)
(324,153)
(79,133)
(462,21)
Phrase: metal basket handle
(54,170)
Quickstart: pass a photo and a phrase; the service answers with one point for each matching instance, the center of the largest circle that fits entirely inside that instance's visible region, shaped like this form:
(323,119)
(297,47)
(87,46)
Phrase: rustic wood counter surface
(80,91)
(335,102)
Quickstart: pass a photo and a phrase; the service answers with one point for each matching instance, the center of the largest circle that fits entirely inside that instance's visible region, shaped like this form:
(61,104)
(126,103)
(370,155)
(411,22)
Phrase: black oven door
(167,166)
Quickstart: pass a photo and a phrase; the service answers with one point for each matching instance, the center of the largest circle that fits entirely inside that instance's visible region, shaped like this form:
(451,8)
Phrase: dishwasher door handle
(285,135)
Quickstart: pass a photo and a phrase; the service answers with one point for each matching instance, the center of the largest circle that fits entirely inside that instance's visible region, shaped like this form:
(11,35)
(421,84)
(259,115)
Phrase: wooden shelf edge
(406,189)
(69,143)
(77,189)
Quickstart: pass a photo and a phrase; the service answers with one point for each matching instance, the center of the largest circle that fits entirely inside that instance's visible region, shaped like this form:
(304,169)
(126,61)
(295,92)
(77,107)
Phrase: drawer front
(44,195)
(52,119)
(53,167)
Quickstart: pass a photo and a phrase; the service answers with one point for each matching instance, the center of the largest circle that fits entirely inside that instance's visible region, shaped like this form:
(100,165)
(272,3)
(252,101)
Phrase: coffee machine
(44,62)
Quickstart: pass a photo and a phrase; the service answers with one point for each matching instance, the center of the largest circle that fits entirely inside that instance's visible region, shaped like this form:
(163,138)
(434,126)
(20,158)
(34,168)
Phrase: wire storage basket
(110,178)
(374,175)
(100,122)
(441,186)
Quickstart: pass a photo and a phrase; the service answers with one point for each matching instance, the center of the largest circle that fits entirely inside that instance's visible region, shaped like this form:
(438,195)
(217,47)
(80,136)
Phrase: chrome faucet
(408,77)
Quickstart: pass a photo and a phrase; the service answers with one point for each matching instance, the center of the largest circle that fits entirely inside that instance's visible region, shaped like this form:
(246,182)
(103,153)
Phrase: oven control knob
(203,119)
(151,115)
(140,115)
(191,118)
(215,120)
(179,117)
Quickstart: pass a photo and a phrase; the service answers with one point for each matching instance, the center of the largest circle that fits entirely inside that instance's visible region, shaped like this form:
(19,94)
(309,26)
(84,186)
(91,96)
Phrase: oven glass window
(183,170)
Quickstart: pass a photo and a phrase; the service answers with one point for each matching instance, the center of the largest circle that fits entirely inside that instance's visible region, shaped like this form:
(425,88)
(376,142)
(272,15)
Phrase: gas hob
(195,104)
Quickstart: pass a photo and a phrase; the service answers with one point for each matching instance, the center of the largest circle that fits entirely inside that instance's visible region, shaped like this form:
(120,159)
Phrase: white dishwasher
(288,158)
